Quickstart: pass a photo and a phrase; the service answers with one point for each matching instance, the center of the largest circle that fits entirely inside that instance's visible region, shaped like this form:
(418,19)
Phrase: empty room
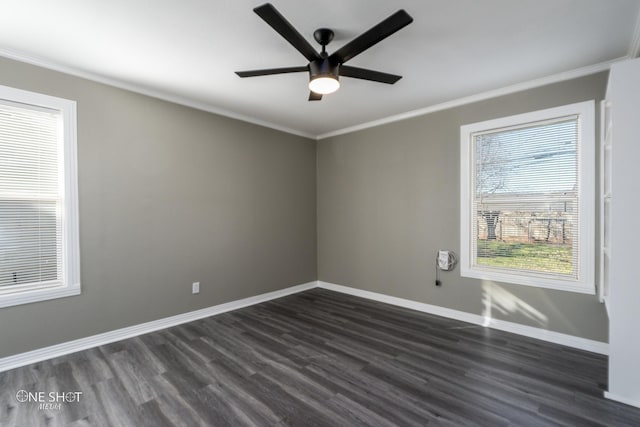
(338,213)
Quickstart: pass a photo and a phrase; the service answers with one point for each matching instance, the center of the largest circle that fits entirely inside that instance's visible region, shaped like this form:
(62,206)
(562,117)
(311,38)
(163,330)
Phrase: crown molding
(153,93)
(566,75)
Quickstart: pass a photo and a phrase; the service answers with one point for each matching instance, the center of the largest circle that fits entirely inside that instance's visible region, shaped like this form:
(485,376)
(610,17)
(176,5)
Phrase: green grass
(541,257)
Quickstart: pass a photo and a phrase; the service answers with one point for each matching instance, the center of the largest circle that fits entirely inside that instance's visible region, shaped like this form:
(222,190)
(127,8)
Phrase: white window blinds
(31,196)
(526,198)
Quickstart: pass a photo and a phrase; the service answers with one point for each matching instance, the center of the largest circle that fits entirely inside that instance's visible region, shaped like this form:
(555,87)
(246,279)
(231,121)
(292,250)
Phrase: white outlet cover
(195,288)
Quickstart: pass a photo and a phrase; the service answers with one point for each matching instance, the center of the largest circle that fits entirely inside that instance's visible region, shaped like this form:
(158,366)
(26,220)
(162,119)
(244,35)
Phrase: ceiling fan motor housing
(323,68)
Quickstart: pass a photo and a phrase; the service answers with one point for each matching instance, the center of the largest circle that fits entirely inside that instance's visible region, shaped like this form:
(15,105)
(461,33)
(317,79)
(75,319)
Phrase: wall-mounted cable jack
(446,261)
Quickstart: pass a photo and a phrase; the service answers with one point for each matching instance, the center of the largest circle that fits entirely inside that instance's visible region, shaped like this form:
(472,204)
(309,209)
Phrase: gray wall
(170,195)
(388,199)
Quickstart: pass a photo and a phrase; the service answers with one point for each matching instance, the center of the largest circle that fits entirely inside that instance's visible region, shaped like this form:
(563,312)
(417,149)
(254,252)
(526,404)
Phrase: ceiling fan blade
(384,29)
(314,96)
(363,73)
(269,71)
(272,17)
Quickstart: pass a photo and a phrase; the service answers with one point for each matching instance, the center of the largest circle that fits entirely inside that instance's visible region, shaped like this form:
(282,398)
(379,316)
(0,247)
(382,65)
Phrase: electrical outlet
(195,288)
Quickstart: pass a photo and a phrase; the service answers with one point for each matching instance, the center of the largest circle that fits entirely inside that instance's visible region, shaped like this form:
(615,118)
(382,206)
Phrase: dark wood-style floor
(320,358)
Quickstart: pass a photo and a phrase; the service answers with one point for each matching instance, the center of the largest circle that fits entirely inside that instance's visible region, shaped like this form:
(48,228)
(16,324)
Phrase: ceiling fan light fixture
(324,84)
(323,76)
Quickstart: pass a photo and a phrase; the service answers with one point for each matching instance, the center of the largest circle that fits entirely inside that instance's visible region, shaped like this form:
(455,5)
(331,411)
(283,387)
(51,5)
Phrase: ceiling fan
(324,69)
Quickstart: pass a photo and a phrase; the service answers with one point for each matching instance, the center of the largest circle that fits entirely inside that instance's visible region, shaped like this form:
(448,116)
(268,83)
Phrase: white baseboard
(57,350)
(22,359)
(503,325)
(621,399)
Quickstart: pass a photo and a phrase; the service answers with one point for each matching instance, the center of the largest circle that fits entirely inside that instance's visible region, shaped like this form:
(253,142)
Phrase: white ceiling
(188,50)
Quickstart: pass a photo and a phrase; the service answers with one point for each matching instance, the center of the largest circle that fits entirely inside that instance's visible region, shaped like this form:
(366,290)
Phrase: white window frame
(585,281)
(23,294)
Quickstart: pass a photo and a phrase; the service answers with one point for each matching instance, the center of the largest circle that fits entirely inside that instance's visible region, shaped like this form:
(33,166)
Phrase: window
(39,249)
(528,199)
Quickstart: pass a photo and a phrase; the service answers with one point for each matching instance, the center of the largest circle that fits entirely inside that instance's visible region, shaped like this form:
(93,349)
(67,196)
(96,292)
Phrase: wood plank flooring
(320,358)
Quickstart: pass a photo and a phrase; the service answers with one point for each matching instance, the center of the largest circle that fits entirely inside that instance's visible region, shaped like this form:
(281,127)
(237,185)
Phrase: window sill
(26,296)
